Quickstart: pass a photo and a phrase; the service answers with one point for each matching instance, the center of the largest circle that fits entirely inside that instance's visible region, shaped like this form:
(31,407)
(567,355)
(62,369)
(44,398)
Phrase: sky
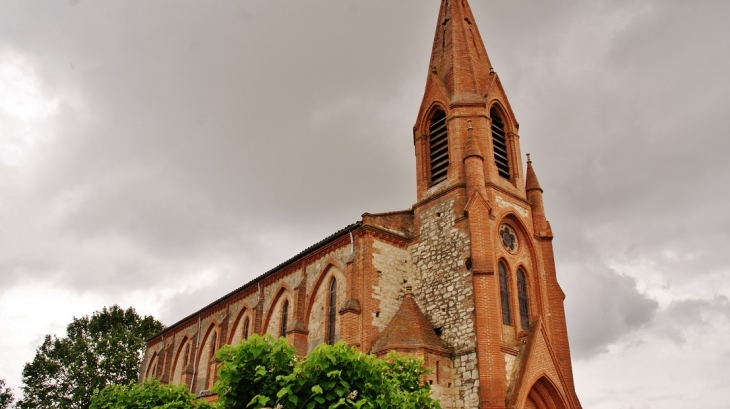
(160,154)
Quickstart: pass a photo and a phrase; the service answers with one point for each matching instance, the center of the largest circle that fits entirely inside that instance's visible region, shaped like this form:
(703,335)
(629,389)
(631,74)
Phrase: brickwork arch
(206,361)
(544,395)
(512,219)
(526,259)
(182,359)
(504,114)
(236,334)
(317,304)
(421,127)
(152,367)
(273,316)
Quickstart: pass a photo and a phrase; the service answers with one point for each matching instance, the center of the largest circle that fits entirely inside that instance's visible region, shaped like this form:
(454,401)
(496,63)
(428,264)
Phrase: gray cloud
(605,306)
(175,144)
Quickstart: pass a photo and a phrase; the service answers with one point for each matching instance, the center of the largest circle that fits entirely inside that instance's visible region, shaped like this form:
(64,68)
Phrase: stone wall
(443,289)
(394,268)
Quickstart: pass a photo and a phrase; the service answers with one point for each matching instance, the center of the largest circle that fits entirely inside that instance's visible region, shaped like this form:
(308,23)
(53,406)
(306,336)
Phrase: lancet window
(246,325)
(284,318)
(438,147)
(504,294)
(332,312)
(523,301)
(499,141)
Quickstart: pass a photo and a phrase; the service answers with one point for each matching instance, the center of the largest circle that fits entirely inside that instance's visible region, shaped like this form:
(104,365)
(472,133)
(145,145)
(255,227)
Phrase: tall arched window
(438,147)
(186,357)
(284,318)
(212,344)
(332,312)
(152,368)
(246,324)
(499,140)
(522,295)
(504,294)
(211,362)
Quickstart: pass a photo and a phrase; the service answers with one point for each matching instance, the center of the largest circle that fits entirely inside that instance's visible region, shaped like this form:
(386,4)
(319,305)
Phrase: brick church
(465,278)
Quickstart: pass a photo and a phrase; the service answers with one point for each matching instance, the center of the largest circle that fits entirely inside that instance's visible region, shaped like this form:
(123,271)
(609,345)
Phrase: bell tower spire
(474,202)
(462,86)
(458,56)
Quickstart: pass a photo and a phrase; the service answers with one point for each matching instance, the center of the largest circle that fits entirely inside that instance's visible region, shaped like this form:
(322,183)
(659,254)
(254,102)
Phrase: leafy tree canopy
(150,394)
(104,349)
(264,372)
(6,395)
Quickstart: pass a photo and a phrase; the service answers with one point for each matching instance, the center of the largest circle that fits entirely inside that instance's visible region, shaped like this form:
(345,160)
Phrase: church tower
(464,279)
(500,308)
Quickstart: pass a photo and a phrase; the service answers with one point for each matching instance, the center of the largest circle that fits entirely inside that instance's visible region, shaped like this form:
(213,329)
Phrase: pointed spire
(531,182)
(458,55)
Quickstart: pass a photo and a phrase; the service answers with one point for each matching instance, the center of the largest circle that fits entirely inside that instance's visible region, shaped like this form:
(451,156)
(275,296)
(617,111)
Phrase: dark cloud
(604,307)
(184,148)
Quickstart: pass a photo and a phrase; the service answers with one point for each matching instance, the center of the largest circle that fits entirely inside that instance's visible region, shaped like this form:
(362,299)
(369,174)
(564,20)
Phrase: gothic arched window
(332,312)
(499,140)
(438,147)
(212,344)
(211,362)
(284,318)
(522,295)
(186,356)
(152,369)
(246,324)
(504,294)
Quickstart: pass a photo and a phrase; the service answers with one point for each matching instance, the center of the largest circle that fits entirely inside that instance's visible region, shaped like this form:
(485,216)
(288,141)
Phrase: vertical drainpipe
(195,357)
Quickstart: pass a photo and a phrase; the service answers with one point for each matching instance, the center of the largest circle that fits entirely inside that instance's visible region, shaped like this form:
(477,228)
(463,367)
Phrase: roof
(409,329)
(256,280)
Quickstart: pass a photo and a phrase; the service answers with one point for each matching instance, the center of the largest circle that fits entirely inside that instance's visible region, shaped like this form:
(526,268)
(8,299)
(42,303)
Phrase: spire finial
(409,289)
(528,158)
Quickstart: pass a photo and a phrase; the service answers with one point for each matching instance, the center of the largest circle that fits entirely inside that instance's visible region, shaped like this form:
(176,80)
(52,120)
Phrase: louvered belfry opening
(438,143)
(499,140)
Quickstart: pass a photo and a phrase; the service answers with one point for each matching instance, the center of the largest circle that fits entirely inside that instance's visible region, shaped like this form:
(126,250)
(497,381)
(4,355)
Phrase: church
(465,278)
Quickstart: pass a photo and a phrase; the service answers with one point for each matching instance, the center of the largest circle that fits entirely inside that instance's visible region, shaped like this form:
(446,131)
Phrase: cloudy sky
(159,154)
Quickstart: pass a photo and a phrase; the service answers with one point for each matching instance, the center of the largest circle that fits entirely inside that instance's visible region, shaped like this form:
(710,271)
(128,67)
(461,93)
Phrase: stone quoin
(465,278)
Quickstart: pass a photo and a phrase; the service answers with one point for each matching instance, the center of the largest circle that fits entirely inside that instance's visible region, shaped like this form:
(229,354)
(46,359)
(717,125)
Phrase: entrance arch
(544,395)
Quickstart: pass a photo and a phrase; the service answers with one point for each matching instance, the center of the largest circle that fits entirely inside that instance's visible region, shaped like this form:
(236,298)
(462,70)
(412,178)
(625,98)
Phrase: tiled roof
(309,249)
(409,329)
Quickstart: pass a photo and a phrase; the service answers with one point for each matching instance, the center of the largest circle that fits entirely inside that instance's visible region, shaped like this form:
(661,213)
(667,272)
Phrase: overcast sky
(162,153)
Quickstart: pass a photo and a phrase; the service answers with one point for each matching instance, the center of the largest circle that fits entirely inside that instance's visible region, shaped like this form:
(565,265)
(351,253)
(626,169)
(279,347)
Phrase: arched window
(499,140)
(504,294)
(522,295)
(284,318)
(212,344)
(211,362)
(246,324)
(438,147)
(152,368)
(332,312)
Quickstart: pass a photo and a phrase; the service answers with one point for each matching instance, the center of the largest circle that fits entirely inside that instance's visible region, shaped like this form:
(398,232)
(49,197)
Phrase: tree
(263,372)
(6,395)
(104,349)
(150,394)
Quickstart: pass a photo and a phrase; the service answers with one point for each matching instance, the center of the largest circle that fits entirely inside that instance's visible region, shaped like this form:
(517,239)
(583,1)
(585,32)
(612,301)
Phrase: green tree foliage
(150,394)
(104,349)
(263,372)
(6,395)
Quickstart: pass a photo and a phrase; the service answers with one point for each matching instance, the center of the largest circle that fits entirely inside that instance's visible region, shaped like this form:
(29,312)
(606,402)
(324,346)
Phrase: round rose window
(509,238)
